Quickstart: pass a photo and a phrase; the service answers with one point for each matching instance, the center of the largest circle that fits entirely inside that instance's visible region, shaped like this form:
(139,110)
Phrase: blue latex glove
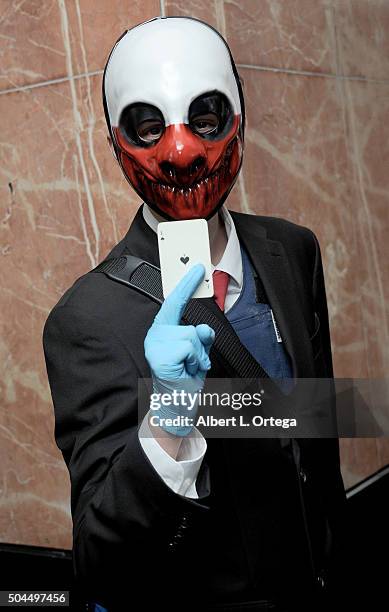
(178,355)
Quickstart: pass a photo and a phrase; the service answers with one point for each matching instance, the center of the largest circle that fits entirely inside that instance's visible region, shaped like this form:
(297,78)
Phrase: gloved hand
(178,355)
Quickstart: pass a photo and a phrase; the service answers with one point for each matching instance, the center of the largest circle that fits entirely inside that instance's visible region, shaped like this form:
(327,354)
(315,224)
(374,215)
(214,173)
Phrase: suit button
(303,475)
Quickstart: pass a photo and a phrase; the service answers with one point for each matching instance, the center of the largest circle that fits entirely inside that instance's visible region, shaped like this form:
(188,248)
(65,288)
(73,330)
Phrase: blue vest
(253,323)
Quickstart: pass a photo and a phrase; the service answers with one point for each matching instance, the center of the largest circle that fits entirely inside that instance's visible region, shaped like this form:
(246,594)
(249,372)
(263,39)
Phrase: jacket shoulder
(276,227)
(92,293)
(297,239)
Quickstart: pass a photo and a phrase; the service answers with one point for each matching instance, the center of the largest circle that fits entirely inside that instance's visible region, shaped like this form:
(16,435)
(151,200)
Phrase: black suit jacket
(269,519)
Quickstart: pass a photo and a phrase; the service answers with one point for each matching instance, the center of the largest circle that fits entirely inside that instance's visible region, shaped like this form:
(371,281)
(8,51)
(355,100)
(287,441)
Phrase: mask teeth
(206,181)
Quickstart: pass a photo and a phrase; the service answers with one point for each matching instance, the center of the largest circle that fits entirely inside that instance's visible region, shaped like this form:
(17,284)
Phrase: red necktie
(220,284)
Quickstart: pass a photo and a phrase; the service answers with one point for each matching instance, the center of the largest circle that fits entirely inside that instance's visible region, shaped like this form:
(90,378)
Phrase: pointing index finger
(174,305)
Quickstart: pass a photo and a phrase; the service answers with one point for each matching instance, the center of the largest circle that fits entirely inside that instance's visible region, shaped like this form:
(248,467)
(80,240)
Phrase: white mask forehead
(168,63)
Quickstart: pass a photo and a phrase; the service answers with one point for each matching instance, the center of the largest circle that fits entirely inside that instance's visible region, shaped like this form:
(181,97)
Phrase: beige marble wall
(317,152)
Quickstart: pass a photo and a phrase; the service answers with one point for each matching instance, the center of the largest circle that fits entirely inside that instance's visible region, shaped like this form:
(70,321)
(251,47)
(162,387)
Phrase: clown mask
(175,111)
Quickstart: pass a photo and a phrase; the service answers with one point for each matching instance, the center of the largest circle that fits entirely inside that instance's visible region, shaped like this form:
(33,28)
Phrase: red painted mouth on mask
(189,202)
(182,199)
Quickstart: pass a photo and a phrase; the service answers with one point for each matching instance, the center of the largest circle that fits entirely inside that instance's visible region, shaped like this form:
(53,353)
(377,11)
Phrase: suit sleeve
(124,515)
(331,478)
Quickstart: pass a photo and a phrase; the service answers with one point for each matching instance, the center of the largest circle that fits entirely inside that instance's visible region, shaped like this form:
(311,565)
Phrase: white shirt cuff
(180,475)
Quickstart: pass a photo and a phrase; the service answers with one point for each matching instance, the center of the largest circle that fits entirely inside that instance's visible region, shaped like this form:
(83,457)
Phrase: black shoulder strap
(146,278)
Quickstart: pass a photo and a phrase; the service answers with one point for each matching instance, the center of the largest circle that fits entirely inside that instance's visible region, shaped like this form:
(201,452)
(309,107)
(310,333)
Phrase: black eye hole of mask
(211,116)
(142,124)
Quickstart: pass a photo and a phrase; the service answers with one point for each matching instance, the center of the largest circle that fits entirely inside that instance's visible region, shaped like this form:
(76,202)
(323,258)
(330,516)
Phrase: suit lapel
(271,263)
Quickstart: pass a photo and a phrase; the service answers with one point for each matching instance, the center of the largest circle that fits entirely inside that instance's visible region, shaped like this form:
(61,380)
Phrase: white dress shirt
(181,475)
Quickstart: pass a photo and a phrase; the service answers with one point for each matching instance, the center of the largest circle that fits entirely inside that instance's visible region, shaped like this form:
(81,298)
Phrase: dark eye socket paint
(134,116)
(216,103)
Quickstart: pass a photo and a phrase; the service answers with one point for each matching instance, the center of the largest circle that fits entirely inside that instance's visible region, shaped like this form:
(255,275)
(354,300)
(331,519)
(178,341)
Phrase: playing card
(181,245)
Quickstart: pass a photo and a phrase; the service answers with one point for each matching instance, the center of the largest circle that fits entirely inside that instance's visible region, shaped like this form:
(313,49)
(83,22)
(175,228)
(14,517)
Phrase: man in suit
(161,517)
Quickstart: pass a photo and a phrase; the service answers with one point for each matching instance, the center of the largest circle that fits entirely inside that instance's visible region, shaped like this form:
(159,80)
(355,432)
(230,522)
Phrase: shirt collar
(231,261)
